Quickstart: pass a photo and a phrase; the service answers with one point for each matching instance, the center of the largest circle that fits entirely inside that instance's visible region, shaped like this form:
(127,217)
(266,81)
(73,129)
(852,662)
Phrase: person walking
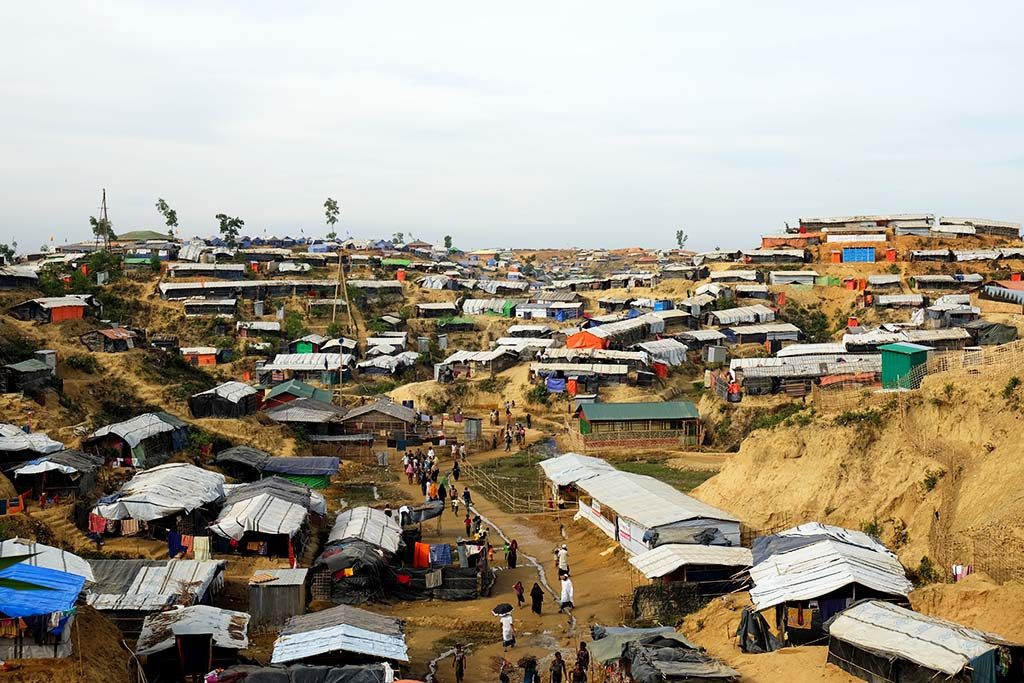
(562,559)
(508,441)
(529,425)
(512,554)
(565,601)
(508,632)
(557,669)
(519,591)
(467,498)
(456,471)
(459,663)
(469,523)
(409,470)
(536,598)
(583,656)
(579,674)
(455,504)
(462,452)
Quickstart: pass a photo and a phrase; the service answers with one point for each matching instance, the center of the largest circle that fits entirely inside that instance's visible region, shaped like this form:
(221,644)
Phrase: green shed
(614,421)
(508,309)
(898,361)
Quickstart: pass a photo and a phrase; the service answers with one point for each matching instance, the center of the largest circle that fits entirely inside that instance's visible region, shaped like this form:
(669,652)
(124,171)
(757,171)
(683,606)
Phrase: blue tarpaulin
(556,385)
(61,591)
(440,555)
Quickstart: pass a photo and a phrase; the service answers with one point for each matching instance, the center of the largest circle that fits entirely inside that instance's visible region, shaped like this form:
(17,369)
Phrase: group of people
(558,670)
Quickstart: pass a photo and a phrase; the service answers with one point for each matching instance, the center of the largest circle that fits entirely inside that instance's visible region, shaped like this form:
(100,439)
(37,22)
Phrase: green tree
(398,238)
(7,252)
(294,326)
(811,320)
(448,242)
(229,228)
(102,229)
(169,214)
(331,211)
(681,238)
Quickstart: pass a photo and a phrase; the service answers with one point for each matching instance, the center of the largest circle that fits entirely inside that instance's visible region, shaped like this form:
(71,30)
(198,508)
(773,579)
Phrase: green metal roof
(455,321)
(300,389)
(672,410)
(905,348)
(30,365)
(403,262)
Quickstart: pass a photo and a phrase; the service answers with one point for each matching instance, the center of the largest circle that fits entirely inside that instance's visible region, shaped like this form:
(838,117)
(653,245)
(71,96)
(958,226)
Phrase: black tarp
(754,634)
(685,536)
(367,673)
(656,659)
(985,332)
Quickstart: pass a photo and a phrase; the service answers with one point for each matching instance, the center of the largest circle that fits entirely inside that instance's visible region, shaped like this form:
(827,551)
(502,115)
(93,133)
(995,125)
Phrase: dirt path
(599,579)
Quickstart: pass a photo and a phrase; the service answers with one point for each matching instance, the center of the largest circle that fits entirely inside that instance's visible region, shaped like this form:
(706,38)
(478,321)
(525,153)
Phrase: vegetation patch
(811,319)
(85,362)
(684,480)
(932,479)
(869,417)
(772,419)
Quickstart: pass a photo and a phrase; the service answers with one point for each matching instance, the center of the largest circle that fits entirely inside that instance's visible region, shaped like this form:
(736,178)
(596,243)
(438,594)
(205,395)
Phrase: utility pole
(105,221)
(344,287)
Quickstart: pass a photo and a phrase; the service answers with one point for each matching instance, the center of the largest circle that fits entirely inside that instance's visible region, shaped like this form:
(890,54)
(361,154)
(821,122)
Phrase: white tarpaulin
(46,556)
(367,524)
(229,628)
(13,439)
(667,351)
(163,491)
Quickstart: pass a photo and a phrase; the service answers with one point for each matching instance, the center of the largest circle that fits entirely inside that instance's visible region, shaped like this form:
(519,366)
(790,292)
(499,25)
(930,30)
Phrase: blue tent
(61,591)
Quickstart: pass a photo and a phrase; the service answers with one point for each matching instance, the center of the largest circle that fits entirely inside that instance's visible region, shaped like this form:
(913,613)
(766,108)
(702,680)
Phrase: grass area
(520,467)
(684,480)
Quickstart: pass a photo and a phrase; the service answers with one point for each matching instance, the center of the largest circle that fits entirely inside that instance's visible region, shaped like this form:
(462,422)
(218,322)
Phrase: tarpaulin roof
(269,506)
(648,501)
(139,428)
(570,468)
(163,491)
(13,439)
(815,570)
(46,556)
(229,628)
(299,388)
(309,361)
(367,524)
(244,455)
(896,632)
(665,559)
(477,356)
(596,354)
(703,335)
(305,410)
(232,391)
(311,465)
(62,590)
(668,351)
(607,648)
(301,673)
(581,368)
(149,585)
(341,629)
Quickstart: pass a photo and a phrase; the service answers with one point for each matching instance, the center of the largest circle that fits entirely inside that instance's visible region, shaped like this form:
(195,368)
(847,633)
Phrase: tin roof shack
(110,340)
(899,362)
(378,290)
(270,517)
(757,313)
(326,368)
(711,570)
(292,389)
(39,639)
(248,329)
(28,375)
(275,595)
(127,591)
(565,471)
(436,310)
(984,226)
(144,441)
(382,418)
(727,276)
(793,277)
(958,282)
(472,363)
(223,307)
(311,343)
(759,334)
(341,635)
(250,464)
(217,271)
(171,639)
(633,508)
(641,425)
(17,277)
(775,256)
(311,416)
(230,399)
(55,309)
(683,272)
(879,641)
(813,571)
(199,355)
(64,473)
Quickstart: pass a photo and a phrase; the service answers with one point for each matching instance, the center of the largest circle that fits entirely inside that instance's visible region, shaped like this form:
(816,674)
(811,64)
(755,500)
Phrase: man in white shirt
(565,600)
(508,632)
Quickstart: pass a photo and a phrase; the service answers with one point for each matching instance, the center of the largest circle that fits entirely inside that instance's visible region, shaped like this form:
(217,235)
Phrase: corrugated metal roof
(148,585)
(282,577)
(139,428)
(744,314)
(899,300)
(702,335)
(229,628)
(646,500)
(581,368)
(309,361)
(306,410)
(734,275)
(340,629)
(570,468)
(767,328)
(815,570)
(665,559)
(896,632)
(811,349)
(667,410)
(386,406)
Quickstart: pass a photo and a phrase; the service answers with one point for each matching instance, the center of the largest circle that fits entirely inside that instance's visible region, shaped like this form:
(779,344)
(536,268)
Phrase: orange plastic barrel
(400,275)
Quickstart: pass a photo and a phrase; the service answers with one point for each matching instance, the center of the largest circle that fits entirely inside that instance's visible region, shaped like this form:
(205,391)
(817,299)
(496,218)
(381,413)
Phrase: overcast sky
(524,124)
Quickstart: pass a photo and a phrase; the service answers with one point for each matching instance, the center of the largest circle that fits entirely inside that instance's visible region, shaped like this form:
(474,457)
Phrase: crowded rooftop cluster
(291,459)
